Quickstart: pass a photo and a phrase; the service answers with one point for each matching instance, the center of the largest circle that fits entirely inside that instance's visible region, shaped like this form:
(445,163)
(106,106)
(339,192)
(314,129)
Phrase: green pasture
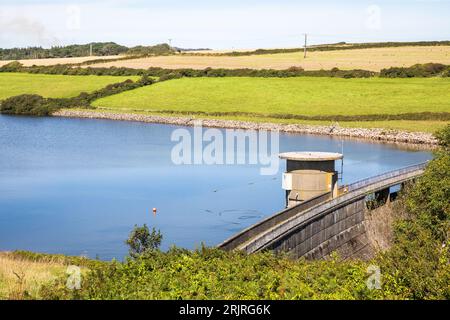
(53,86)
(307,96)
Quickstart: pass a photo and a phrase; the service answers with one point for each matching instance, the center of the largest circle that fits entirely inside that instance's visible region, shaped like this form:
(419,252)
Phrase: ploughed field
(53,86)
(318,99)
(373,59)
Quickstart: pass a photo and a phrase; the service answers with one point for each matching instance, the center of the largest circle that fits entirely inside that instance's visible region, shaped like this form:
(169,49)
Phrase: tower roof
(311,156)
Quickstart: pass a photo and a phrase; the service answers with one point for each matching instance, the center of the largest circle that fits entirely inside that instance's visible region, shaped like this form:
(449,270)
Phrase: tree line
(112,48)
(83,50)
(417,70)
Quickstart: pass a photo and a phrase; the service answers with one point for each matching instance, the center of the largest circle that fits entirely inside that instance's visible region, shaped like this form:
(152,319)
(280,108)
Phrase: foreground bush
(30,104)
(214,274)
(418,264)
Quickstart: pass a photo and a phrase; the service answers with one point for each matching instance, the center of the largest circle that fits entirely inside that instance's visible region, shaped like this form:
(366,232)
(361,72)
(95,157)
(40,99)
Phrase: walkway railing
(272,221)
(360,188)
(385,176)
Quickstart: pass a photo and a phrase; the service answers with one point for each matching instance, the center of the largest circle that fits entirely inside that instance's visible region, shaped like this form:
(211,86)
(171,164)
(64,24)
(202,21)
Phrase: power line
(306,39)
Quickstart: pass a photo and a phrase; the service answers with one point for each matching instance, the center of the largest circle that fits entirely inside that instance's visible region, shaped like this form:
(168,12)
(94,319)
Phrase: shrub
(335,69)
(295,69)
(14,66)
(30,104)
(209,273)
(417,70)
(418,264)
(443,137)
(141,241)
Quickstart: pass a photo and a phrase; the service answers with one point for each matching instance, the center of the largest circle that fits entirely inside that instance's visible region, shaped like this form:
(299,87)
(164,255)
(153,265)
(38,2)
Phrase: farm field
(306,96)
(53,86)
(373,59)
(53,61)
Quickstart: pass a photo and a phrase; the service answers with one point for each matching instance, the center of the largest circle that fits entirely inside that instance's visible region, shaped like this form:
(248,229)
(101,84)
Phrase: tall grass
(21,278)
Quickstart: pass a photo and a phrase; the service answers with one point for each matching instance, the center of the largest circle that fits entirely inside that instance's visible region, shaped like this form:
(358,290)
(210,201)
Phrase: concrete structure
(321,225)
(308,175)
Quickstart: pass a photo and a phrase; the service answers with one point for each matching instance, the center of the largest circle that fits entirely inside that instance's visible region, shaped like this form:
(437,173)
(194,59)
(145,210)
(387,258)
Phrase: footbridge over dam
(315,228)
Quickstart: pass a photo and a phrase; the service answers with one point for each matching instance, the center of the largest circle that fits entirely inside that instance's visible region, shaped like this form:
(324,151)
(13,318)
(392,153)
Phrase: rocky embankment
(358,133)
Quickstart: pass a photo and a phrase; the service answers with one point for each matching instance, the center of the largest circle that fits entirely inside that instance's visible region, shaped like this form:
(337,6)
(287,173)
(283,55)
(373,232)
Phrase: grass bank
(24,274)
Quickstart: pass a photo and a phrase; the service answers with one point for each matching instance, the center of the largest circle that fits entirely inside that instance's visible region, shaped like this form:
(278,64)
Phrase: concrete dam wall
(319,226)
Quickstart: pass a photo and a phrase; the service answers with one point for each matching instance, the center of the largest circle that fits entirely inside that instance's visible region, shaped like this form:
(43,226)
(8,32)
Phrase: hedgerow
(417,71)
(418,264)
(209,273)
(164,74)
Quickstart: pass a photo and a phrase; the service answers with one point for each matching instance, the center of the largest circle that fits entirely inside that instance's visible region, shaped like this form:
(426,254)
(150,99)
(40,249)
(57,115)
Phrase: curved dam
(323,224)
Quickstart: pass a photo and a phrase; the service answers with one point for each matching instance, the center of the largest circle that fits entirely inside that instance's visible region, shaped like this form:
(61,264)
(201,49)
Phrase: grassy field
(306,96)
(52,86)
(368,59)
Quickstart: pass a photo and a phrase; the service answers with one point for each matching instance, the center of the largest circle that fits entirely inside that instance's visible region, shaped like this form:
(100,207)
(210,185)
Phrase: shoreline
(374,134)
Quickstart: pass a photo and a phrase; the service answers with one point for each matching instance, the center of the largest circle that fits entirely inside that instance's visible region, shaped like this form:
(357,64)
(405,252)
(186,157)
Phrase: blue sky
(221,24)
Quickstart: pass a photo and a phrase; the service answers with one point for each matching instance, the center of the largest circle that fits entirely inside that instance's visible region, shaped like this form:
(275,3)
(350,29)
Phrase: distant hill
(191,49)
(339,46)
(112,49)
(82,50)
(159,49)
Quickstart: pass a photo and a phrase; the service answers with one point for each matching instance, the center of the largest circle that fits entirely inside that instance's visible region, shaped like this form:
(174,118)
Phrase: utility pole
(90,50)
(170,43)
(306,39)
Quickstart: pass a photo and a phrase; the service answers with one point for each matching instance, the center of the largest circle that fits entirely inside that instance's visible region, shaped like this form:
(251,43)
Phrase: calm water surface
(78,186)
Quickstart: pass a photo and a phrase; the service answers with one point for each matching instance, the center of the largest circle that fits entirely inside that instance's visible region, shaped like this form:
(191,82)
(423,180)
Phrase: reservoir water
(78,186)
